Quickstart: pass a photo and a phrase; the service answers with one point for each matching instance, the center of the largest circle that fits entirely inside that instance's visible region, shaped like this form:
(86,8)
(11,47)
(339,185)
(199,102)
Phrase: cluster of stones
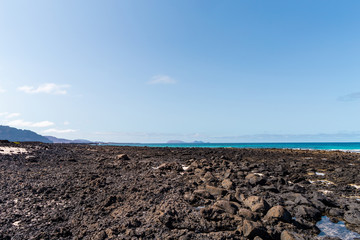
(58,191)
(224,194)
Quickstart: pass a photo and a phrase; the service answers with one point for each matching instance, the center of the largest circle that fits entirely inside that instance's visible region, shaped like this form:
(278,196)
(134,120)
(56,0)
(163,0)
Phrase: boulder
(215,191)
(278,213)
(252,229)
(247,214)
(301,200)
(324,199)
(227,184)
(318,204)
(308,213)
(286,235)
(209,177)
(297,188)
(255,179)
(352,217)
(122,157)
(227,206)
(256,204)
(336,212)
(203,194)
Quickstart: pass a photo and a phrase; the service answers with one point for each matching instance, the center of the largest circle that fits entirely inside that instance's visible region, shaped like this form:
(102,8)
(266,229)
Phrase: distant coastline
(339,146)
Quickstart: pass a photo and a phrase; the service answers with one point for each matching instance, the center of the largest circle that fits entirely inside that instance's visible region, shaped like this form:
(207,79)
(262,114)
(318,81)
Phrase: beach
(75,191)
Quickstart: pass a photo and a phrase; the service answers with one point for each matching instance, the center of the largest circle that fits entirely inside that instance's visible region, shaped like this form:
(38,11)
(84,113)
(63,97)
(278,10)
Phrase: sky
(159,70)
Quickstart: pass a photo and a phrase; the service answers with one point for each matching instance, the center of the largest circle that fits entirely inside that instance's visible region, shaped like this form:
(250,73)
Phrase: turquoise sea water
(344,146)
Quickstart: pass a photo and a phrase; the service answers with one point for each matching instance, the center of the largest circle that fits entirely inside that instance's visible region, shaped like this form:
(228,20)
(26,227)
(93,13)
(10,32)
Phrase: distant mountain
(18,135)
(179,141)
(63,140)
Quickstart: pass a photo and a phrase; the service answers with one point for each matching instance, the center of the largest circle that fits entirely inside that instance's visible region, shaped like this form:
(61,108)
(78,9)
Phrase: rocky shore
(69,191)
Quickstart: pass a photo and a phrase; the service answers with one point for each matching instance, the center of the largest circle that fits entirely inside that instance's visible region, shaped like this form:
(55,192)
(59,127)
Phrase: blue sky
(156,70)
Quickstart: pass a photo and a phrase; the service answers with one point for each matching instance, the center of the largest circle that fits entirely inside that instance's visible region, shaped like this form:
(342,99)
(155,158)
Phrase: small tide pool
(338,229)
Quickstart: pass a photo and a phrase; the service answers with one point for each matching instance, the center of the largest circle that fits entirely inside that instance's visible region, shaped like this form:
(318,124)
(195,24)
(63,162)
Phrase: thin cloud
(9,115)
(47,88)
(2,90)
(54,130)
(12,115)
(162,79)
(350,97)
(22,123)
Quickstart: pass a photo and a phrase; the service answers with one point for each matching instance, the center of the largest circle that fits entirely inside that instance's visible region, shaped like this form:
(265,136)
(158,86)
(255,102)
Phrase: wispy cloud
(162,79)
(2,90)
(48,88)
(22,123)
(9,115)
(12,115)
(54,130)
(350,97)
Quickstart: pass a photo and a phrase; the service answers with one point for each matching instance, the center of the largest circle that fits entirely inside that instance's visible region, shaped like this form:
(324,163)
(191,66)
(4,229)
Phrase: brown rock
(255,179)
(239,196)
(227,184)
(256,204)
(247,214)
(285,235)
(198,171)
(122,157)
(257,238)
(278,213)
(308,213)
(215,191)
(100,236)
(227,206)
(252,229)
(203,193)
(208,177)
(109,232)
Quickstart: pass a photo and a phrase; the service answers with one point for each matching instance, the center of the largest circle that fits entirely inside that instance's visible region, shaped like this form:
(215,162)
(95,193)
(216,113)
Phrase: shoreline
(80,191)
(329,146)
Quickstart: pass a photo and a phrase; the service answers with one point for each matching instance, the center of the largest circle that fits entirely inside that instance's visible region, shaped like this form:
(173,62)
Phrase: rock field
(70,191)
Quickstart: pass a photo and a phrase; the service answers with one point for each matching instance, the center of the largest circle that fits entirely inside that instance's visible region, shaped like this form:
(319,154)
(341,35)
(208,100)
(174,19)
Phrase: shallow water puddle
(339,229)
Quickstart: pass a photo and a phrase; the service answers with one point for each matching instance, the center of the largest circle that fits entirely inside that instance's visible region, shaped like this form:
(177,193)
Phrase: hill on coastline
(18,135)
(14,134)
(63,140)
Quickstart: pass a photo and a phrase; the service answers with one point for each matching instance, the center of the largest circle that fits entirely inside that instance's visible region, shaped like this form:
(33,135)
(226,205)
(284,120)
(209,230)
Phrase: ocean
(342,146)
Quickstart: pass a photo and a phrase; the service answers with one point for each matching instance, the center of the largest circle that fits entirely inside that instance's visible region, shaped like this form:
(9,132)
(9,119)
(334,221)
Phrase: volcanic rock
(256,204)
(278,213)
